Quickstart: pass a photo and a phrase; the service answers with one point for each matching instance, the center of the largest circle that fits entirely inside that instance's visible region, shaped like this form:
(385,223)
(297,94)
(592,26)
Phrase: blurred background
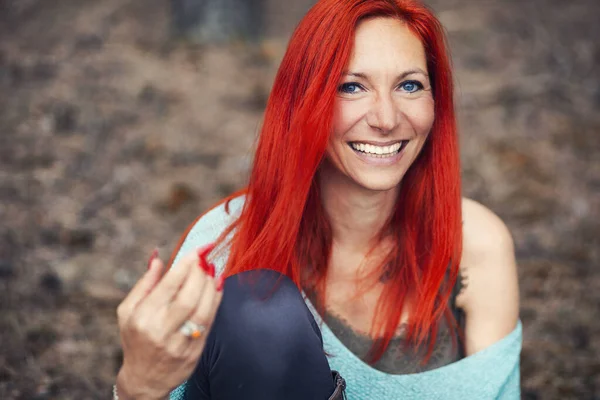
(122,120)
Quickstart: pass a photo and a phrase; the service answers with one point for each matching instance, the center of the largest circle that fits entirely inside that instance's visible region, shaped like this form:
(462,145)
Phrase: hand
(157,357)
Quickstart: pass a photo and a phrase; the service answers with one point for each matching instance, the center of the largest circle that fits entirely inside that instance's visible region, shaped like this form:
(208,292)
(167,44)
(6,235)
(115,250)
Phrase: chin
(377,182)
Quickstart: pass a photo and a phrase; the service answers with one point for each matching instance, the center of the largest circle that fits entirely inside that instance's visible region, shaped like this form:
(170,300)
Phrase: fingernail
(203,252)
(202,263)
(220,283)
(153,256)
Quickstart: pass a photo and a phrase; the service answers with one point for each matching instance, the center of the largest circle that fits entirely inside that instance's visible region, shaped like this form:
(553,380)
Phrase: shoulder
(208,227)
(490,297)
(217,218)
(484,233)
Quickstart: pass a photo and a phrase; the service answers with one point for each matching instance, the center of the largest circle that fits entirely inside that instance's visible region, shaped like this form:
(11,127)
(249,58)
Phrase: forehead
(386,43)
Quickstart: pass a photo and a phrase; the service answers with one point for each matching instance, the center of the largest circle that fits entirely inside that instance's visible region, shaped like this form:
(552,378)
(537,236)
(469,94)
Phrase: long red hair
(283,225)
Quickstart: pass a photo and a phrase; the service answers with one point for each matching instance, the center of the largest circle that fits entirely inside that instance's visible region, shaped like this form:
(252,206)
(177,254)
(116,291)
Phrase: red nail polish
(153,256)
(202,262)
(203,252)
(220,283)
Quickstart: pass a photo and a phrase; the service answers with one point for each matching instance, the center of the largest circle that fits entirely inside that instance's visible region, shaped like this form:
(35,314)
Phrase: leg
(264,344)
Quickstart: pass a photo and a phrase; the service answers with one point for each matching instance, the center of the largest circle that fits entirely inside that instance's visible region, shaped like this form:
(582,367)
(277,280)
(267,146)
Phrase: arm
(490,298)
(157,355)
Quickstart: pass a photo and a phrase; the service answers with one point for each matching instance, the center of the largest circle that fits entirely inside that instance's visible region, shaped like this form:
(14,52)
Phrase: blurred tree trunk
(217,21)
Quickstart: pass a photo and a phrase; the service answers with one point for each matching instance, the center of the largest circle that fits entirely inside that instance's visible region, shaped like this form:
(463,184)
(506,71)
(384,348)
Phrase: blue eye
(411,86)
(349,87)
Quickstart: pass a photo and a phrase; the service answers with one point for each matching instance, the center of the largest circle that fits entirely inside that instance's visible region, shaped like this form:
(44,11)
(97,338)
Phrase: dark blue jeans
(264,345)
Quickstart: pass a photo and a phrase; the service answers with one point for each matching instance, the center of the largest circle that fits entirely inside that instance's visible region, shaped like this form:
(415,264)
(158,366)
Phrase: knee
(264,300)
(263,311)
(264,340)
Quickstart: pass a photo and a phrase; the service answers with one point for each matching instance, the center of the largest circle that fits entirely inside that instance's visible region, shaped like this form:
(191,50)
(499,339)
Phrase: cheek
(346,115)
(421,116)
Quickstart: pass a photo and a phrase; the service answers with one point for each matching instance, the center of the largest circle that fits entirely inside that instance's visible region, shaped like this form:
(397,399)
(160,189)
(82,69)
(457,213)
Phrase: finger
(143,286)
(203,315)
(169,285)
(216,301)
(187,299)
(209,303)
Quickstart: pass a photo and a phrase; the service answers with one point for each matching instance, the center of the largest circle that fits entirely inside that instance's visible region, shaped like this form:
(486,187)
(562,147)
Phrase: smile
(378,151)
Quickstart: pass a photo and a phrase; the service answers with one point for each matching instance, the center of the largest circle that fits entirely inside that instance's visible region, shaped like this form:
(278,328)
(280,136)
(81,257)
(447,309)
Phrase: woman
(354,208)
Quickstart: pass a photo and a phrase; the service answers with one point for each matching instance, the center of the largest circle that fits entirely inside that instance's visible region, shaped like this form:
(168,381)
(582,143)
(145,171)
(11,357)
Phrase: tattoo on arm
(463,280)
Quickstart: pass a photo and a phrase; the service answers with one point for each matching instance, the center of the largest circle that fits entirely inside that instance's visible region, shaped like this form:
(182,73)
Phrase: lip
(377,161)
(373,143)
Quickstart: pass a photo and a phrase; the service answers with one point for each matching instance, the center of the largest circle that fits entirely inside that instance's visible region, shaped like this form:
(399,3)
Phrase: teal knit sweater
(492,373)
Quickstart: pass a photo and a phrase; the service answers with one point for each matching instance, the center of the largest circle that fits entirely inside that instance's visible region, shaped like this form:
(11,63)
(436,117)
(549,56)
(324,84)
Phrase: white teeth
(377,150)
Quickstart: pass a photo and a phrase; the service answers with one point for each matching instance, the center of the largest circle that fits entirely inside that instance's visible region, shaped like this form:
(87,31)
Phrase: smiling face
(384,110)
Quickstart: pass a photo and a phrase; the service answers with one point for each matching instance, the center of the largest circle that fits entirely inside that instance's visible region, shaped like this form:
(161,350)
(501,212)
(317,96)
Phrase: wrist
(122,387)
(128,389)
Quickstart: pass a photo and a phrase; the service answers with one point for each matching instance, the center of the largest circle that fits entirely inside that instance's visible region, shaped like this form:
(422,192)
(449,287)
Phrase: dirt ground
(114,137)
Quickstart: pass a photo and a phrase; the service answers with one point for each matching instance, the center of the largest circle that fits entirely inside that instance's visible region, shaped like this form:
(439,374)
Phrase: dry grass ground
(113,138)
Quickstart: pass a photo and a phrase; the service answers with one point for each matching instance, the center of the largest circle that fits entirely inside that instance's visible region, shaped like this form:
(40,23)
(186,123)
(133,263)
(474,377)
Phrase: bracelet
(115,394)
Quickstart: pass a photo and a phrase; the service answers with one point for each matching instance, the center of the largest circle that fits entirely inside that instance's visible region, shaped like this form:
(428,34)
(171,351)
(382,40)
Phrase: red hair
(283,225)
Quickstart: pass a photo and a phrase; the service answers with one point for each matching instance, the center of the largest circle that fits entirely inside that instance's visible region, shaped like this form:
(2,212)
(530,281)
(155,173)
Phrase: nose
(383,115)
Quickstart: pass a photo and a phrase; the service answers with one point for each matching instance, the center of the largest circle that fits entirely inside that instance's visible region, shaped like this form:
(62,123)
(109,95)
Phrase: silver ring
(192,330)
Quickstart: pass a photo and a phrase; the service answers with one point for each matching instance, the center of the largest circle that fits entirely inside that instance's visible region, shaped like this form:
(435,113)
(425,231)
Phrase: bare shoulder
(483,231)
(490,297)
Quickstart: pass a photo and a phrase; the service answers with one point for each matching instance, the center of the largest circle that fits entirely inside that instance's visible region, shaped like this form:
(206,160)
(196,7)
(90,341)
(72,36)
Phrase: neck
(356,214)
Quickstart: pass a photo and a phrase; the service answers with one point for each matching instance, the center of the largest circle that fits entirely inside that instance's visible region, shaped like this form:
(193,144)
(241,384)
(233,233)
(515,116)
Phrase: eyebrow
(401,76)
